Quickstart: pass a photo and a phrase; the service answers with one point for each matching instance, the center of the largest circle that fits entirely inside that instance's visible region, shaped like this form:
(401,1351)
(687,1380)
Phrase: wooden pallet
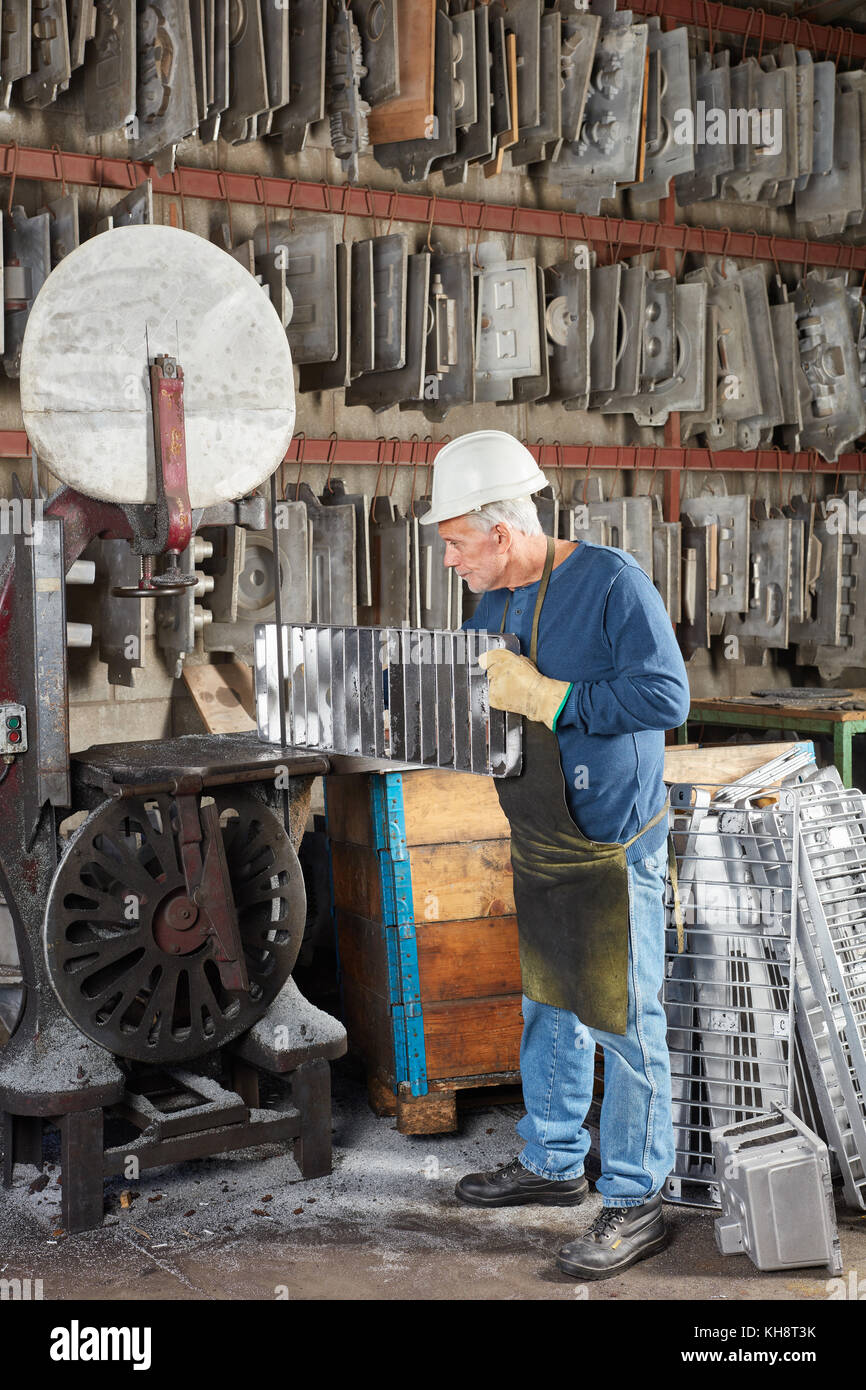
(427,938)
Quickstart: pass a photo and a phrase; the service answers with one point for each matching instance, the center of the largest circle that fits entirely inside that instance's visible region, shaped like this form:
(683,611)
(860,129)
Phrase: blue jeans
(557,1064)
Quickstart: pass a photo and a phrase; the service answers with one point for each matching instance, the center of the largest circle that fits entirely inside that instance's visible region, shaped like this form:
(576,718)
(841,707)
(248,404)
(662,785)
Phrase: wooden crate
(427,938)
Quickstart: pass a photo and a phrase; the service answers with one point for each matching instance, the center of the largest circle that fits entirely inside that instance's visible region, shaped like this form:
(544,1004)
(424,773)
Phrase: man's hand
(516,684)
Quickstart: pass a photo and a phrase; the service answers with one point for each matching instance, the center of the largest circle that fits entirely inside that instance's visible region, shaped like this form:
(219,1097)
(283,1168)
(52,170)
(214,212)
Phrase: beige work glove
(516,684)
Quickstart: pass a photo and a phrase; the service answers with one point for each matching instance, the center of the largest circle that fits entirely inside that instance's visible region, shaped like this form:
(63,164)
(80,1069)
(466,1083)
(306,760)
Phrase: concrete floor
(384,1225)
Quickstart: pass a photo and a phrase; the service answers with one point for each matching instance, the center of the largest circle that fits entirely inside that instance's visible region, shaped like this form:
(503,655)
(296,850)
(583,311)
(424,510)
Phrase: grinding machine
(154,887)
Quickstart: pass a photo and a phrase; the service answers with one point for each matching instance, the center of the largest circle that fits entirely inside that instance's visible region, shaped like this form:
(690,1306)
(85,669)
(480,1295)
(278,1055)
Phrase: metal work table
(839,724)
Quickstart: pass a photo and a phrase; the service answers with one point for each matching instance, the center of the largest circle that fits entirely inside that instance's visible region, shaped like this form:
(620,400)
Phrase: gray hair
(520,515)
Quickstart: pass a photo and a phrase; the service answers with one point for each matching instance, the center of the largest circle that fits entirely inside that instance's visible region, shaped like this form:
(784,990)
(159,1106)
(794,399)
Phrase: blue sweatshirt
(604,627)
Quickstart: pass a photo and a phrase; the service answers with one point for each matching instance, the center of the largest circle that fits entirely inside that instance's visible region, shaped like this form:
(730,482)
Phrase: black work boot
(514,1186)
(617,1238)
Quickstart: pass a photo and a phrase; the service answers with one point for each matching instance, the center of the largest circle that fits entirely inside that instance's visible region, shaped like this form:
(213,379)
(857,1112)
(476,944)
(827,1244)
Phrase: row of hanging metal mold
(746,363)
(343,558)
(739,358)
(759,578)
(746,857)
(768,578)
(584,98)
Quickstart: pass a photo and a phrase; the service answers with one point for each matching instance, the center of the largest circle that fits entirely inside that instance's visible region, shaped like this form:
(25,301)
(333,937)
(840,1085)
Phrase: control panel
(13,729)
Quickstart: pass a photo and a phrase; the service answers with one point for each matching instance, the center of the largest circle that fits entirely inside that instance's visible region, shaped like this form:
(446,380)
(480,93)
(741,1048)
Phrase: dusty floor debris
(383,1225)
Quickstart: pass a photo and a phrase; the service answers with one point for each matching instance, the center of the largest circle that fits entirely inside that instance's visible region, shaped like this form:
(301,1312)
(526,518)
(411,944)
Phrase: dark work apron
(571,893)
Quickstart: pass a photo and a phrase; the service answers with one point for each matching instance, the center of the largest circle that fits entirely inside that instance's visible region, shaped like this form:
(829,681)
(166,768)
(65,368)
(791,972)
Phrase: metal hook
(428,462)
(513,229)
(395,197)
(333,438)
(260,191)
(380,459)
(481,227)
(224,193)
(58,156)
(395,459)
(750,16)
(429,223)
(371,208)
(709,23)
(301,437)
(590,456)
(413,459)
(14,175)
(290,205)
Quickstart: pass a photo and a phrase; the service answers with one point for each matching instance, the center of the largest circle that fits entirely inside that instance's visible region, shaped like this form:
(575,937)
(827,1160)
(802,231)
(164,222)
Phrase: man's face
(479,557)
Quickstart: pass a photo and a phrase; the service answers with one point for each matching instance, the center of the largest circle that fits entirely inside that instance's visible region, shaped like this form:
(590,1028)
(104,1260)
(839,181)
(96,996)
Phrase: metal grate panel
(727,996)
(398,694)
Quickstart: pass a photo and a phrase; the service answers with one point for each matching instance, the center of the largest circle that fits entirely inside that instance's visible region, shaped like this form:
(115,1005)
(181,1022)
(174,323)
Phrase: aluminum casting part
(331,533)
(535,140)
(414,158)
(777,1194)
(828,355)
(347,110)
(667,566)
(362,341)
(658,345)
(166,110)
(731,515)
(473,142)
(523,19)
(308,20)
(685,389)
(248,82)
(578,44)
(766,624)
(631,314)
(465,72)
(50,69)
(341,672)
(17,44)
(390,284)
(711,84)
(389,559)
(328,376)
(450,374)
(507,330)
(334,494)
(384,388)
(606,151)
(568,324)
(308,257)
(379,35)
(110,69)
(665,158)
(536,388)
(27,266)
(827,201)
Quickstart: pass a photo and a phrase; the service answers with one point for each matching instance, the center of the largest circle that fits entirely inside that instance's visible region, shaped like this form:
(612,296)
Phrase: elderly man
(600,679)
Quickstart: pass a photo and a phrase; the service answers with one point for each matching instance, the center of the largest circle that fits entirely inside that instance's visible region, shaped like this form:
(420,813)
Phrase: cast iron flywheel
(157,970)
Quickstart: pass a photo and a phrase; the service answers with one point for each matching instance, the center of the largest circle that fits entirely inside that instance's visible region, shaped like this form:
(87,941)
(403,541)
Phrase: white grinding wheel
(85,385)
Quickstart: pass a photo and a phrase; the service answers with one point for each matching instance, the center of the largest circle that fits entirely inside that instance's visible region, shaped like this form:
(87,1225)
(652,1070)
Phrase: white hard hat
(484,466)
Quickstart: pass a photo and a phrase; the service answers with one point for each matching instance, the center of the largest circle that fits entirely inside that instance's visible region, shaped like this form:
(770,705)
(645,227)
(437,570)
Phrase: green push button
(14,721)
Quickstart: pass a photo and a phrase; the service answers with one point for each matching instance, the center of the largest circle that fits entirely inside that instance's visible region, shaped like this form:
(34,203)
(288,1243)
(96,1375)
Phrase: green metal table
(840,725)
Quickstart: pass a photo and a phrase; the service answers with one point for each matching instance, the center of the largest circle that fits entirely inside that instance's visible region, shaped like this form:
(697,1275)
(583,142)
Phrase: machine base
(179,1115)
